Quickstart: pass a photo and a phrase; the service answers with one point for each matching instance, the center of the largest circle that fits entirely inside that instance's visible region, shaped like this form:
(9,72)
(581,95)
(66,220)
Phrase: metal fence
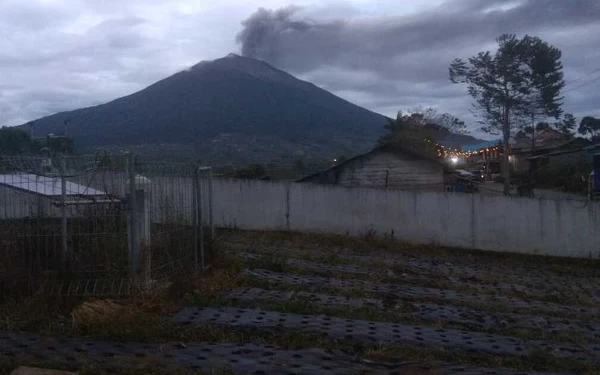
(103,225)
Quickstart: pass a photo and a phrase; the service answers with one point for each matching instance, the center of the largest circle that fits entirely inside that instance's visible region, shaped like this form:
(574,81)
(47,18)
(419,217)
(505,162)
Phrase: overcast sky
(386,55)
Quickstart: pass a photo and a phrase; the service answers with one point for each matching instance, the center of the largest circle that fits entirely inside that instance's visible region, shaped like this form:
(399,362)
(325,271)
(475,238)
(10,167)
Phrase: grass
(400,313)
(492,307)
(445,283)
(472,285)
(370,244)
(118,366)
(536,270)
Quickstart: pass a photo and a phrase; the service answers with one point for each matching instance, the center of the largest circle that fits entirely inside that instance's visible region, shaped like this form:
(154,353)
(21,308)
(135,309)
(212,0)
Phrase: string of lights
(450,152)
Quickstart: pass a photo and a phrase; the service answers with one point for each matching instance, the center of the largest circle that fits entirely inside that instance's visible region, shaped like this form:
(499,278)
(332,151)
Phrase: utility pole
(31,123)
(66,123)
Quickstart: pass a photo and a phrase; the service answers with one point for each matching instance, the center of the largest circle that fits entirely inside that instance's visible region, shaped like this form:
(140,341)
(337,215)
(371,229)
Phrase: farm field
(290,303)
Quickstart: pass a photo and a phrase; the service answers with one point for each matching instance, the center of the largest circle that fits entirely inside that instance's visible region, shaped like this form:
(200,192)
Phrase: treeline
(15,142)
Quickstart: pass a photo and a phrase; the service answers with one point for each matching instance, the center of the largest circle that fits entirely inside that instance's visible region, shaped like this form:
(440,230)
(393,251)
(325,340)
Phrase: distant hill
(234,109)
(457,140)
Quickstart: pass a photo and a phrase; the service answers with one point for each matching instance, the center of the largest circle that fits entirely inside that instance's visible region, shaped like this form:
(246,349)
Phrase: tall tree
(590,126)
(545,76)
(520,75)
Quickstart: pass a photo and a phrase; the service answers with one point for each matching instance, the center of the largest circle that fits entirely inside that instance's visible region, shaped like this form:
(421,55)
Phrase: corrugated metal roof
(48,186)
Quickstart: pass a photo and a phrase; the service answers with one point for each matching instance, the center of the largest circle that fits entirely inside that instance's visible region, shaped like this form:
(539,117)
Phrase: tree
(410,132)
(444,122)
(522,75)
(60,145)
(252,171)
(590,126)
(451,123)
(299,167)
(542,126)
(546,81)
(15,142)
(566,125)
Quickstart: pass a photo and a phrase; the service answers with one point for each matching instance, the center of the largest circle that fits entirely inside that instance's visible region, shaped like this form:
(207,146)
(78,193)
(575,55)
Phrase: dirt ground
(291,303)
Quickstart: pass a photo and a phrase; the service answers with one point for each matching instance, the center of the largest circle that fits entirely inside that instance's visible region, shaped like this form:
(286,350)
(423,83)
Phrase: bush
(252,171)
(569,178)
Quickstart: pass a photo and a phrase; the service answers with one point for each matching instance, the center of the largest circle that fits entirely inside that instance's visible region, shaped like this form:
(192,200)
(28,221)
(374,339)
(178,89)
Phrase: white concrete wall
(498,223)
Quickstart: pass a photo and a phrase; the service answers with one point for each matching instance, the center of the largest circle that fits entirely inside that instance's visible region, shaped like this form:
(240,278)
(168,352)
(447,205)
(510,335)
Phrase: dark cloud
(406,57)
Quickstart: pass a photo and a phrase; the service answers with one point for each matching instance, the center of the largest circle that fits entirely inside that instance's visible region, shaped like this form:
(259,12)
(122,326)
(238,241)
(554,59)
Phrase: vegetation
(568,178)
(407,133)
(521,80)
(419,131)
(252,172)
(299,167)
(545,69)
(143,319)
(17,142)
(14,141)
(566,125)
(590,126)
(441,122)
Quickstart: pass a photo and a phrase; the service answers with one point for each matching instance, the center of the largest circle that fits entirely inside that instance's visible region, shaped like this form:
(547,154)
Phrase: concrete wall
(498,223)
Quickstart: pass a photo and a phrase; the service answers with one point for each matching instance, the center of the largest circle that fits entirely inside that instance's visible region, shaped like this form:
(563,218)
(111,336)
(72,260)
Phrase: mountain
(454,140)
(230,110)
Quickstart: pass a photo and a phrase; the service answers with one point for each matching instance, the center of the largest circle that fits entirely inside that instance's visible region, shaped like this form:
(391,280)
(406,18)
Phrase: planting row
(381,332)
(473,319)
(418,293)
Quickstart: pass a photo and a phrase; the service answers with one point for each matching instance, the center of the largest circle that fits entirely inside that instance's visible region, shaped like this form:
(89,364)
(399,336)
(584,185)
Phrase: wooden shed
(385,167)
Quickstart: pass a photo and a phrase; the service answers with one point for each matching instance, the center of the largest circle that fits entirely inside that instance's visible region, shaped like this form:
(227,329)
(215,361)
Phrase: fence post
(132,211)
(63,213)
(201,220)
(195,188)
(210,204)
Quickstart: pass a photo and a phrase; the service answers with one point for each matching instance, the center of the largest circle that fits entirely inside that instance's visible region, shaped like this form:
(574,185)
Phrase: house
(546,141)
(385,167)
(486,157)
(567,156)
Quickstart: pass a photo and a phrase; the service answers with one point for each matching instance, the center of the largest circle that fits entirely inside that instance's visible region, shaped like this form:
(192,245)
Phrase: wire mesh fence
(102,225)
